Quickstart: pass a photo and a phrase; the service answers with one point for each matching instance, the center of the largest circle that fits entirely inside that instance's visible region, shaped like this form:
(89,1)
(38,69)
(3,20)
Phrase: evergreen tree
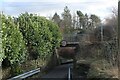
(95,21)
(81,19)
(67,20)
(56,19)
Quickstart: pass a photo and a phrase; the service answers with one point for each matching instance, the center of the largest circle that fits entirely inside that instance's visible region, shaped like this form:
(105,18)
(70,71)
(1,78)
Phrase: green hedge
(13,44)
(1,51)
(27,36)
(40,35)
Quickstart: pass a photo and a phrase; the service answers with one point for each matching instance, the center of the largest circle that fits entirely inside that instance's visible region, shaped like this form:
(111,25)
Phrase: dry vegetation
(102,57)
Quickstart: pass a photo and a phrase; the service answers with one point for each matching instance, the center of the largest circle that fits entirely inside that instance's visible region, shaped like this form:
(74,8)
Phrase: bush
(40,35)
(27,34)
(13,44)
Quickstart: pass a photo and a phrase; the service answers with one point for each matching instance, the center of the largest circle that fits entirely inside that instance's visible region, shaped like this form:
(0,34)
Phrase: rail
(69,73)
(26,74)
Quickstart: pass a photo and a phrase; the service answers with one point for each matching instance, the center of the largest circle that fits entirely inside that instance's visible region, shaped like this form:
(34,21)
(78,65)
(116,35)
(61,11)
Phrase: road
(59,72)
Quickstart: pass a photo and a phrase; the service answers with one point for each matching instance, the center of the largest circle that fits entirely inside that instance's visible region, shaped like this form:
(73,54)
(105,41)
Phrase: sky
(47,8)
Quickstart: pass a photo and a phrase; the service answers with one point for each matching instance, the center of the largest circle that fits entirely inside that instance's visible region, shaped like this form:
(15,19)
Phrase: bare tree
(113,19)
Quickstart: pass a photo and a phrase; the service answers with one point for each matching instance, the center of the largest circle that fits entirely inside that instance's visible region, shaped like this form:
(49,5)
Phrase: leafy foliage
(1,51)
(13,44)
(27,34)
(40,35)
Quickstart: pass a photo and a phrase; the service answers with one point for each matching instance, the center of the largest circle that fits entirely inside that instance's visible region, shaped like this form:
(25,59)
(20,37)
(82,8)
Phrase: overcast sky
(47,8)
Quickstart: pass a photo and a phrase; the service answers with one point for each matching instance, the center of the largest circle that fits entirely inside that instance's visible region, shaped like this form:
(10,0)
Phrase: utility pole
(118,34)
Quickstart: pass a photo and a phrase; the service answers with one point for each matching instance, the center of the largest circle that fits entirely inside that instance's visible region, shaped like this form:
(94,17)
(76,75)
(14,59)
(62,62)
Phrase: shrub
(40,35)
(13,44)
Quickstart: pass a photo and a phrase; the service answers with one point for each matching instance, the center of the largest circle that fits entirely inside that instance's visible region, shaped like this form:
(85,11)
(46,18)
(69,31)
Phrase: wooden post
(58,58)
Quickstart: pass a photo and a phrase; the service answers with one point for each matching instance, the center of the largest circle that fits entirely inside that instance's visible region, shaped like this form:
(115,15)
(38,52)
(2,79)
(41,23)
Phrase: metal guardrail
(25,75)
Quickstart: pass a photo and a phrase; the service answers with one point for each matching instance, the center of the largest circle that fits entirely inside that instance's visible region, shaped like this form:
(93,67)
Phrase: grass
(32,64)
(102,69)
